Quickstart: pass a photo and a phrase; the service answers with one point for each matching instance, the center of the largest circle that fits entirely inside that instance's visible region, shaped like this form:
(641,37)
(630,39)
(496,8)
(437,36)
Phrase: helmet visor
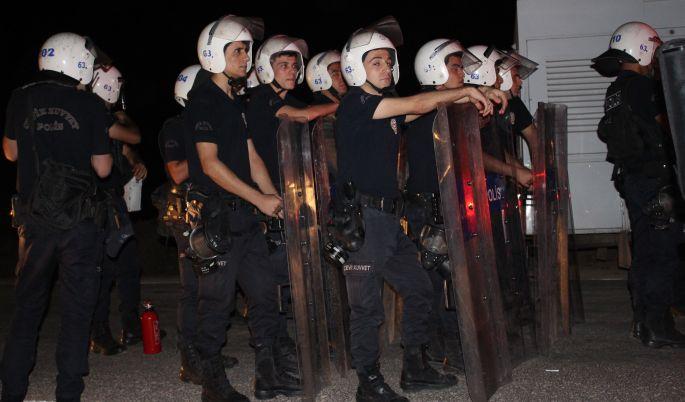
(525,66)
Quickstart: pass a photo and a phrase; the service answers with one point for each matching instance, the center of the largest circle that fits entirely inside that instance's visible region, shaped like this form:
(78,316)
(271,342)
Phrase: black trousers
(247,263)
(74,255)
(655,252)
(279,263)
(124,269)
(387,254)
(442,321)
(186,311)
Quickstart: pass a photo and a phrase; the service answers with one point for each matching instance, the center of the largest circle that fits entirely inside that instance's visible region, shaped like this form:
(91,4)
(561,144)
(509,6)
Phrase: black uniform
(655,258)
(263,125)
(422,186)
(70,127)
(213,117)
(519,116)
(172,145)
(123,268)
(367,156)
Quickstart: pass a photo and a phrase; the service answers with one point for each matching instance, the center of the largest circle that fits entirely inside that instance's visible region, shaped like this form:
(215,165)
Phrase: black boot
(215,385)
(454,358)
(101,340)
(659,331)
(435,349)
(417,374)
(372,387)
(269,382)
(285,358)
(191,370)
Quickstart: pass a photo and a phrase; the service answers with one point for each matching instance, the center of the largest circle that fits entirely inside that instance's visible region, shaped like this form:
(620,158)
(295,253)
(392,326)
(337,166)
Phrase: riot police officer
(511,81)
(325,79)
(368,127)
(121,262)
(57,134)
(231,180)
(439,64)
(635,132)
(172,146)
(279,65)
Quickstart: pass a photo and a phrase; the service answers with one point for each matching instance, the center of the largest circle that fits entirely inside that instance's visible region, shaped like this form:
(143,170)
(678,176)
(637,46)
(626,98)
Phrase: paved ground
(598,362)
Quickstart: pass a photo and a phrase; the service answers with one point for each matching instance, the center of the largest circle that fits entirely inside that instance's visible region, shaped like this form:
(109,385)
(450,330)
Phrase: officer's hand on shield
(496,96)
(523,176)
(271,205)
(482,103)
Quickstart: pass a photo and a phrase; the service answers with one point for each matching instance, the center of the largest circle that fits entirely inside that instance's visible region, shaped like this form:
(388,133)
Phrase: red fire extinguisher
(152,343)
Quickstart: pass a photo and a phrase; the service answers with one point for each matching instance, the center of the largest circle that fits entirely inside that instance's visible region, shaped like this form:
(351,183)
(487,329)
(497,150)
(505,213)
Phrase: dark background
(150,46)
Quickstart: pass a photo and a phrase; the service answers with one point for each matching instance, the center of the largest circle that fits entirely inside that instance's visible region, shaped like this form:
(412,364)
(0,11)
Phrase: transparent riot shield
(304,256)
(325,166)
(672,66)
(518,306)
(470,248)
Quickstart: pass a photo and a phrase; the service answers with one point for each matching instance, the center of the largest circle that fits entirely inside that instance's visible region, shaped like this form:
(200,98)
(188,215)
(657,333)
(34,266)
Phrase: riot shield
(325,166)
(672,64)
(304,257)
(392,302)
(557,289)
(470,248)
(518,309)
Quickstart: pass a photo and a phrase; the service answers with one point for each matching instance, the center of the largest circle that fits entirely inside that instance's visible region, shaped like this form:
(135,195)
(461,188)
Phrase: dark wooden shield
(466,215)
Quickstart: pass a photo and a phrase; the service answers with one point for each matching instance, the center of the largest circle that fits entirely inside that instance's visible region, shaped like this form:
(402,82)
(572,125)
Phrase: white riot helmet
(357,46)
(429,63)
(632,42)
(107,81)
(217,35)
(252,79)
(69,54)
(184,83)
(492,59)
(317,74)
(271,48)
(524,66)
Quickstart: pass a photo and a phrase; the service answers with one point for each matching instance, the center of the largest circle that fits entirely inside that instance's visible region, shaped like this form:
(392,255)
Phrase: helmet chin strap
(279,88)
(335,93)
(387,91)
(236,84)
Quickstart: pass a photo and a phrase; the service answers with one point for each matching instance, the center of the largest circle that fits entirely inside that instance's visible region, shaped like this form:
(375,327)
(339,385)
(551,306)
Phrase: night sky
(151,46)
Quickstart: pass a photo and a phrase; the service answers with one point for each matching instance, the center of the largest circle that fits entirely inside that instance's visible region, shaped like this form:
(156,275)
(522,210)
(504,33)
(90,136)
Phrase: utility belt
(274,231)
(211,234)
(394,206)
(658,169)
(429,202)
(93,207)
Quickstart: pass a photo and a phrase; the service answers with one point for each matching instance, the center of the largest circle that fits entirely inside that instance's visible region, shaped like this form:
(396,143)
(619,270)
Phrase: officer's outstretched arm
(416,105)
(220,174)
(124,129)
(258,171)
(496,96)
(309,113)
(102,164)
(9,147)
